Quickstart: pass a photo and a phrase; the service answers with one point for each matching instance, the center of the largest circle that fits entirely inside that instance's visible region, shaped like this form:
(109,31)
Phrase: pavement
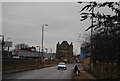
(84,74)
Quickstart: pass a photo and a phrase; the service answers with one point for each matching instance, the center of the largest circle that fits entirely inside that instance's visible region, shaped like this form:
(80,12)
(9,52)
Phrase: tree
(105,41)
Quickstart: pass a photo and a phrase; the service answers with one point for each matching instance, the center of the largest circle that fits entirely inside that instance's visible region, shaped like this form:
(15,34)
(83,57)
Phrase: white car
(62,65)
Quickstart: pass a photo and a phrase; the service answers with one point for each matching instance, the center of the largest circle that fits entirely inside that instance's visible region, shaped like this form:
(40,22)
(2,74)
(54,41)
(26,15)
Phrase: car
(62,65)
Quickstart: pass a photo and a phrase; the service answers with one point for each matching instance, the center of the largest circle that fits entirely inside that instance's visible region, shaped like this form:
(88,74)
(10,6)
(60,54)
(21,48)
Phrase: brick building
(64,51)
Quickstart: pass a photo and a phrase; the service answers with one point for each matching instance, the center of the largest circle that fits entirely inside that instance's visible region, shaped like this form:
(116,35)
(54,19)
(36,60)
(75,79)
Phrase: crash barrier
(16,64)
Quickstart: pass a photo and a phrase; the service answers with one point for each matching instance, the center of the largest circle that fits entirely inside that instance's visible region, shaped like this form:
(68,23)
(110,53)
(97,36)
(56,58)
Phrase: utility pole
(2,43)
(91,39)
(91,32)
(50,53)
(42,40)
(8,47)
(38,56)
(2,47)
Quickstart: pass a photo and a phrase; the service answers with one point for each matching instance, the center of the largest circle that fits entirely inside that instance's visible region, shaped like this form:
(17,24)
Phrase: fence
(105,70)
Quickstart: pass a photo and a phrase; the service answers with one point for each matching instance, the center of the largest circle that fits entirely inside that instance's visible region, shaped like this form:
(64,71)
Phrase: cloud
(22,22)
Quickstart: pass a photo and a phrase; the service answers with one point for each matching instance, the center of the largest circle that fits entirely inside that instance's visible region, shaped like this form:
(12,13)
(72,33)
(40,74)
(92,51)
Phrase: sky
(22,22)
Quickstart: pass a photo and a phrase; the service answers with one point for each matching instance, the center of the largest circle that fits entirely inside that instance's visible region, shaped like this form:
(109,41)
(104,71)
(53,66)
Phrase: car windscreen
(61,63)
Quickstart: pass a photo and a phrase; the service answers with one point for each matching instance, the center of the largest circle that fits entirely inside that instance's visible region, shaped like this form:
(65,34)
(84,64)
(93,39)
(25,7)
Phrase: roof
(65,43)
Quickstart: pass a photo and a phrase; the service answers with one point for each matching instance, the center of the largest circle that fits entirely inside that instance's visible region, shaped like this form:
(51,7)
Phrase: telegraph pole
(42,40)
(91,33)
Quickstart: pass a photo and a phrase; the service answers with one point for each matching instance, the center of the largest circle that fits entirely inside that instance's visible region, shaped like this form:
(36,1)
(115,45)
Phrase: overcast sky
(22,23)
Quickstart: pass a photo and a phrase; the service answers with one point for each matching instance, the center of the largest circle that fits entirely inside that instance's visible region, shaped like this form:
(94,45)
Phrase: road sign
(8,44)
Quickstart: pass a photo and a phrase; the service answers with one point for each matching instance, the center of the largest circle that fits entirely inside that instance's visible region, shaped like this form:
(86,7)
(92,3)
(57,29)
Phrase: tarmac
(83,73)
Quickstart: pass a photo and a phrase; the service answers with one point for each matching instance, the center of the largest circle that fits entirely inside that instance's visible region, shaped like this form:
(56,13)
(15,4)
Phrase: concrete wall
(86,63)
(14,64)
(106,70)
(102,70)
(19,64)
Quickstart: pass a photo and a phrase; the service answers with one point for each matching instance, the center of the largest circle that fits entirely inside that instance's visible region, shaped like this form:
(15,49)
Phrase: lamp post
(39,54)
(2,42)
(8,46)
(50,53)
(42,40)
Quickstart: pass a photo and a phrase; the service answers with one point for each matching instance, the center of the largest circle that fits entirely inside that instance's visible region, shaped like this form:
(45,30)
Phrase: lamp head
(79,2)
(45,24)
(37,46)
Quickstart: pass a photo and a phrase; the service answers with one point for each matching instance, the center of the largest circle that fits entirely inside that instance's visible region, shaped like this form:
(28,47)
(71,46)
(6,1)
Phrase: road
(44,73)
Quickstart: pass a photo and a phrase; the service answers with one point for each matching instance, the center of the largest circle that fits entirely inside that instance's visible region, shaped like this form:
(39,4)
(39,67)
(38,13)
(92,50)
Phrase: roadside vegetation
(105,38)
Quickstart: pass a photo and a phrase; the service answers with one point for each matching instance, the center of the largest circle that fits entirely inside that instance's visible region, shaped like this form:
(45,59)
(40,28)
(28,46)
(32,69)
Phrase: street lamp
(2,42)
(8,46)
(42,39)
(50,53)
(39,54)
